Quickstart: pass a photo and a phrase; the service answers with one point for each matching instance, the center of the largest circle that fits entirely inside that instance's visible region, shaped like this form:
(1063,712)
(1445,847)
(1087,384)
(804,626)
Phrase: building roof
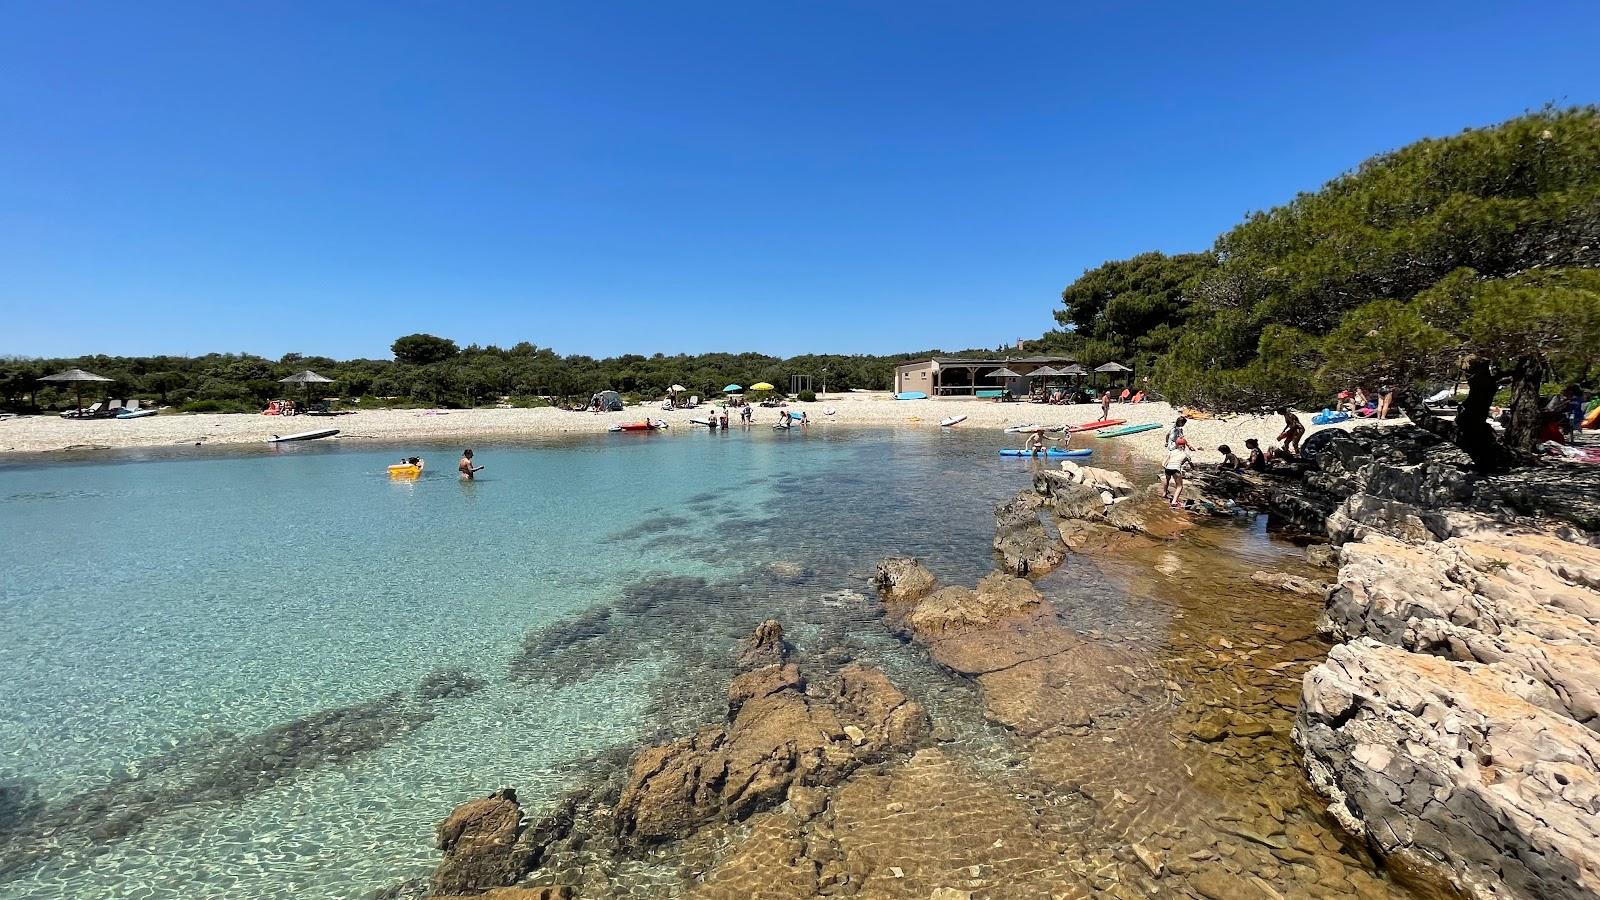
(993,362)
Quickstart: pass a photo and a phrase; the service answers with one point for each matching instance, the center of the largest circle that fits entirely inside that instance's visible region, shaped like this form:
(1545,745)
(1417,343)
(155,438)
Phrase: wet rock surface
(1021,541)
(479,840)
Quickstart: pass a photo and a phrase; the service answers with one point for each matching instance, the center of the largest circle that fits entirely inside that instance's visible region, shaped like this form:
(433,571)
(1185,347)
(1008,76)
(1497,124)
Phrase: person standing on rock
(1293,431)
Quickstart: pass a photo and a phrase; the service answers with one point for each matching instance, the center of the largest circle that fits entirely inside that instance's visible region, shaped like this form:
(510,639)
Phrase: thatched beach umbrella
(1114,368)
(1075,370)
(307,378)
(77,378)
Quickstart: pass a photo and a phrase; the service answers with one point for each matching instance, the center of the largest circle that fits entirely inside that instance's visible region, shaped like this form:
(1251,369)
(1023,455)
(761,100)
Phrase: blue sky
(683,177)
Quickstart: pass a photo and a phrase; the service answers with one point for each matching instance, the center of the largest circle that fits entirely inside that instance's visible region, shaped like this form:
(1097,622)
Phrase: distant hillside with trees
(1469,257)
(435,371)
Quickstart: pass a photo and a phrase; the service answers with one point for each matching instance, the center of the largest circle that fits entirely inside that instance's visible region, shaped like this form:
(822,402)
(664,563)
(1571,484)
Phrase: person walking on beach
(1105,405)
(1175,436)
(466,468)
(1293,431)
(1178,460)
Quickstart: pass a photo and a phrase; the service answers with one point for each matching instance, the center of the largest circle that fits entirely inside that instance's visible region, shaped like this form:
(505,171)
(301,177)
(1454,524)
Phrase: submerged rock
(1294,584)
(443,684)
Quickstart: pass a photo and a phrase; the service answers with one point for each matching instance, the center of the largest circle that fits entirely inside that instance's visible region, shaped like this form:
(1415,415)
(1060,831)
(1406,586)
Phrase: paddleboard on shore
(1052,452)
(911,395)
(1030,428)
(953,420)
(135,413)
(1131,429)
(699,421)
(303,436)
(1103,423)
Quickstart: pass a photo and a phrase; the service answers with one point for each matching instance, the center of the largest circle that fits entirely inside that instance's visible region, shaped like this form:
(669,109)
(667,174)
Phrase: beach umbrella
(677,389)
(1003,373)
(1075,370)
(762,386)
(1045,372)
(1112,367)
(307,378)
(732,389)
(76,378)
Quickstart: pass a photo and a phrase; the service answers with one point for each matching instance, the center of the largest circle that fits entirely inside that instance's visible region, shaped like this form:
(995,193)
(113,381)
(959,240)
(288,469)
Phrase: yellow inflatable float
(404,470)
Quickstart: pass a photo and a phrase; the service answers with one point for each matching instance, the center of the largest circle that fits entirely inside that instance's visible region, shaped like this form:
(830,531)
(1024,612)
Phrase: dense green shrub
(808,396)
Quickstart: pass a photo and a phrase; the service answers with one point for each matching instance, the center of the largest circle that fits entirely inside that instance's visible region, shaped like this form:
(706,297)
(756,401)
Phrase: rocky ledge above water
(784,735)
(1455,729)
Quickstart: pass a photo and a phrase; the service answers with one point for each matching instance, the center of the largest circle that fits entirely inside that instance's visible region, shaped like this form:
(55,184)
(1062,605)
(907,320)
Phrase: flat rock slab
(1443,765)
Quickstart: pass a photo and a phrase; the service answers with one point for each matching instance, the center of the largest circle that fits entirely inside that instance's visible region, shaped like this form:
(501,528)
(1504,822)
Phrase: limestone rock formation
(479,840)
(1024,545)
(777,736)
(1518,599)
(764,647)
(1443,765)
(1456,728)
(901,579)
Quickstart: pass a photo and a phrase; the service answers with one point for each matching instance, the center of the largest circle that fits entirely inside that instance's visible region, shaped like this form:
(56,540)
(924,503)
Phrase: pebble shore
(49,434)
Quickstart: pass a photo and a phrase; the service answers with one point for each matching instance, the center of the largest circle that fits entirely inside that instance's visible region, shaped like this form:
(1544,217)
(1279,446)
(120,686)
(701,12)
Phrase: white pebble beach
(50,433)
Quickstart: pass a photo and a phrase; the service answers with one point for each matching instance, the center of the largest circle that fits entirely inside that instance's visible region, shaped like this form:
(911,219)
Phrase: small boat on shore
(302,436)
(1103,423)
(1131,429)
(953,420)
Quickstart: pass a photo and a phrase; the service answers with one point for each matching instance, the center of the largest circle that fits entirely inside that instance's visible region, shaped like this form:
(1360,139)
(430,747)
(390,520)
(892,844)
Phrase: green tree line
(433,371)
(1469,258)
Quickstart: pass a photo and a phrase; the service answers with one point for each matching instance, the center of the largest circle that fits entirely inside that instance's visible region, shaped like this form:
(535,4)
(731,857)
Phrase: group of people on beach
(1179,459)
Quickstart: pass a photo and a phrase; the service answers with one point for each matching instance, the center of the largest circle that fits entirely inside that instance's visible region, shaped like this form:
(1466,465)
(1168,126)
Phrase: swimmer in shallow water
(468,470)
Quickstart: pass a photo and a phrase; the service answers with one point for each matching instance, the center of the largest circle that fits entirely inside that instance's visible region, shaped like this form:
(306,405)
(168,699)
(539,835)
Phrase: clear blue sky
(674,177)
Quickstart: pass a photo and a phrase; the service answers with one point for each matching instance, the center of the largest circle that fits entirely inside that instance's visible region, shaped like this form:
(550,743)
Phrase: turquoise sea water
(213,664)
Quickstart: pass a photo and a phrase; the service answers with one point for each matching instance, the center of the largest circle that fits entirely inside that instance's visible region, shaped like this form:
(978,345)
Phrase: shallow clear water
(173,630)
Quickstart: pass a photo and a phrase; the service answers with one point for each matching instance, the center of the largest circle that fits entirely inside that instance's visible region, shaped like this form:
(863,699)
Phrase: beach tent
(307,378)
(77,378)
(608,401)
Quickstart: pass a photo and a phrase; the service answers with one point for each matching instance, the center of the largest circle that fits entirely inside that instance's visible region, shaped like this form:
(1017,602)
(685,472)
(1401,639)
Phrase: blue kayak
(1052,452)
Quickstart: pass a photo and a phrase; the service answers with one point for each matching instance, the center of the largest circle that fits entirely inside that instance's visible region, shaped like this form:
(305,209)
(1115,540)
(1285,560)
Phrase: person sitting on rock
(1230,461)
(1257,461)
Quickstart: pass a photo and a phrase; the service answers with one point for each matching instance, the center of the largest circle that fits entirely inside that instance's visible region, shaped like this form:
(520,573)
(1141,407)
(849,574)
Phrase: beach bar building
(953,376)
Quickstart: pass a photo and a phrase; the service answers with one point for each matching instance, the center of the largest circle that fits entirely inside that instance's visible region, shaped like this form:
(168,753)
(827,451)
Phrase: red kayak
(1091,426)
(633,426)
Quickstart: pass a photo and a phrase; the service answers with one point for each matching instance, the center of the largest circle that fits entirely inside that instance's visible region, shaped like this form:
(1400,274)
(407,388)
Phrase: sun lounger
(87,412)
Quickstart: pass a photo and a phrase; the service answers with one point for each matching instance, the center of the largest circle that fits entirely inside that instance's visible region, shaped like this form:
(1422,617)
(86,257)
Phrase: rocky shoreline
(1451,733)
